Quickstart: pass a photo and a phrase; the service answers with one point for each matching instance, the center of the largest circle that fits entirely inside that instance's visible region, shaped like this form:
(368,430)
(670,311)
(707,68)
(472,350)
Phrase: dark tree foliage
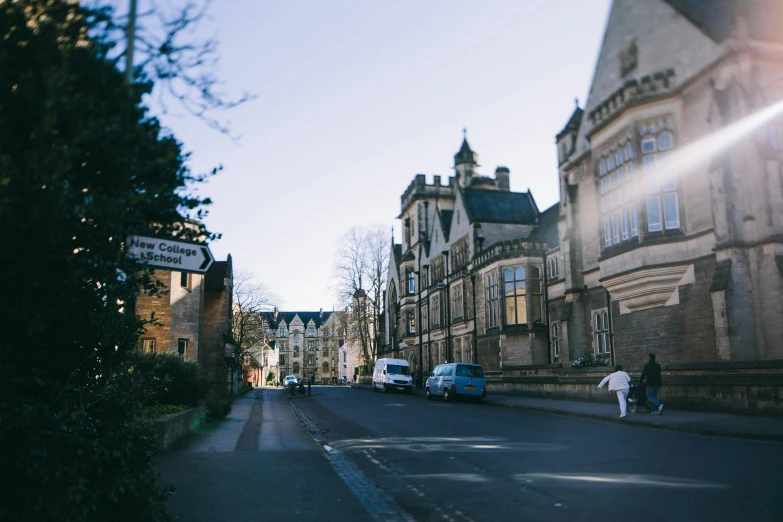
(82,165)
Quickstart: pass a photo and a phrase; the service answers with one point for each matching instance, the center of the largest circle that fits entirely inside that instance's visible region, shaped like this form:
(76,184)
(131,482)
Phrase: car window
(470,370)
(449,371)
(438,371)
(396,369)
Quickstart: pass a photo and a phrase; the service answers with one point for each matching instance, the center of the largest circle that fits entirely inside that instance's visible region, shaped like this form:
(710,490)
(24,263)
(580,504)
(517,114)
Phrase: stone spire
(465,161)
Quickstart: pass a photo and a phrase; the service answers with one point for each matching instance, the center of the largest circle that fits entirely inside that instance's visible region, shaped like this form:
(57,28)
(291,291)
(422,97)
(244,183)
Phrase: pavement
(257,464)
(701,423)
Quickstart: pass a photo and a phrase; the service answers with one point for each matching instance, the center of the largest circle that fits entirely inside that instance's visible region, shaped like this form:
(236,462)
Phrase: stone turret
(465,163)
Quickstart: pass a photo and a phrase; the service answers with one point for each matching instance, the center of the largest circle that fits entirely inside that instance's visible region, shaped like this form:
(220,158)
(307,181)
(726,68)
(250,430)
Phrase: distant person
(652,372)
(354,378)
(619,382)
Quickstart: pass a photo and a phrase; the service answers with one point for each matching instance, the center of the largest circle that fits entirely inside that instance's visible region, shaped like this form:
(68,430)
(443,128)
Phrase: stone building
(666,238)
(193,317)
(307,343)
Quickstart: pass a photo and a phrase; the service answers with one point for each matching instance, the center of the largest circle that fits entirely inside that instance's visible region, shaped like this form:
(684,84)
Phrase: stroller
(637,396)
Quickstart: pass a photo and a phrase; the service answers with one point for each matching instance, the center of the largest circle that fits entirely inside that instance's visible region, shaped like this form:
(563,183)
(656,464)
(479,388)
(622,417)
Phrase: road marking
(380,506)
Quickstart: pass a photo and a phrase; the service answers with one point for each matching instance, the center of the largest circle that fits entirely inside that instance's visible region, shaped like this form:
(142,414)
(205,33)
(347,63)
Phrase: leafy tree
(82,165)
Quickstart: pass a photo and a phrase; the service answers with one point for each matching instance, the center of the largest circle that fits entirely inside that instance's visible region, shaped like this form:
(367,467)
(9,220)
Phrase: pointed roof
(288,317)
(547,226)
(573,123)
(445,217)
(465,154)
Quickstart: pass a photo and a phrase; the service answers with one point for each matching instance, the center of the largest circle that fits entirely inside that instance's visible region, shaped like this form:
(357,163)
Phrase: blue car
(454,380)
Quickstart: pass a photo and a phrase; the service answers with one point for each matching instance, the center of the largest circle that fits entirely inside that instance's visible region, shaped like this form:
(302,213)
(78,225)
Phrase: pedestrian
(618,382)
(652,372)
(354,378)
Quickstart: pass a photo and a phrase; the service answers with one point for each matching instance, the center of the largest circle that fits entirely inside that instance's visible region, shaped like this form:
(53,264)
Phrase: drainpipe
(611,328)
(546,304)
(418,319)
(475,332)
(448,309)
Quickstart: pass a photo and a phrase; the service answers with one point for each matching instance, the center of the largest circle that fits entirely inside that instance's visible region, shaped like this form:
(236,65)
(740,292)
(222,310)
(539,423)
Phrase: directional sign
(169,254)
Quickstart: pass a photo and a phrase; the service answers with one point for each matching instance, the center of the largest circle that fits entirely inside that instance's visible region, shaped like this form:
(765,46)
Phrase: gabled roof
(397,251)
(445,217)
(573,123)
(306,317)
(547,226)
(492,206)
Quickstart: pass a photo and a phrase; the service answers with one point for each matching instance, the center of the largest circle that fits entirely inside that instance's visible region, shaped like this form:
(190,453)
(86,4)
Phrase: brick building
(194,320)
(664,240)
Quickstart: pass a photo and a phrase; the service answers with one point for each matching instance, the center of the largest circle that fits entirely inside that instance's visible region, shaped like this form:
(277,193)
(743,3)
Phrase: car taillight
(453,386)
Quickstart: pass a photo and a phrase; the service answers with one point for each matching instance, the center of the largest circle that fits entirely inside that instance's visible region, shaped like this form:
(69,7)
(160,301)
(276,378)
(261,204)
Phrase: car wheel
(374,389)
(428,394)
(446,395)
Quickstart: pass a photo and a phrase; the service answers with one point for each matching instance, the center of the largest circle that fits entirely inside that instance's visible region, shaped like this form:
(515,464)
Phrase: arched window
(601,332)
(296,351)
(296,368)
(411,282)
(311,360)
(326,351)
(325,367)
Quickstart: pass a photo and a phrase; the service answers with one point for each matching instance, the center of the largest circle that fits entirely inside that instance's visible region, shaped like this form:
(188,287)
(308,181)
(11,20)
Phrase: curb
(710,432)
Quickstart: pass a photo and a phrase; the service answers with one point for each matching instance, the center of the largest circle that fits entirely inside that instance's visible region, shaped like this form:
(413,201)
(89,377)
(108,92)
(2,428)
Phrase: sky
(354,98)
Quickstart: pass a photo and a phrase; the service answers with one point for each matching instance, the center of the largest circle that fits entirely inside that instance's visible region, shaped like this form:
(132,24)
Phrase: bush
(218,405)
(588,360)
(169,378)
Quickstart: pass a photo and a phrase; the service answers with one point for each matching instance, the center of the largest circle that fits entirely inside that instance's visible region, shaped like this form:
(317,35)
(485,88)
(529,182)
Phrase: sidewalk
(700,423)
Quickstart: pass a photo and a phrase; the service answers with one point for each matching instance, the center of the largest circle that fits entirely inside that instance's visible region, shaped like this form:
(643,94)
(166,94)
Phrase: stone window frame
(492,298)
(311,346)
(296,351)
(519,294)
(295,367)
(601,331)
(435,311)
(457,296)
(653,148)
(325,367)
(554,272)
(410,279)
(182,346)
(325,351)
(619,205)
(311,360)
(425,324)
(296,336)
(410,320)
(555,340)
(281,360)
(460,254)
(148,344)
(310,332)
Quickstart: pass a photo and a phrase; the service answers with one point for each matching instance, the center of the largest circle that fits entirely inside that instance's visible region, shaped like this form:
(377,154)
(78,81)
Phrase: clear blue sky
(354,98)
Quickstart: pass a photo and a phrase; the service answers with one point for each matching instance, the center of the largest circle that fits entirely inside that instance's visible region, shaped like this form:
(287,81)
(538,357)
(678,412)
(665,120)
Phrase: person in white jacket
(618,382)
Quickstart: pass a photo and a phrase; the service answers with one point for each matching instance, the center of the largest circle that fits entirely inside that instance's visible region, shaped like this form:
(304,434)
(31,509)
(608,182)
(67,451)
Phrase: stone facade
(307,344)
(668,236)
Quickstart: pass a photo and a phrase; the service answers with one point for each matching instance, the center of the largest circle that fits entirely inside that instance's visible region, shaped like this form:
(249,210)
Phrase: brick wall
(160,306)
(681,333)
(217,322)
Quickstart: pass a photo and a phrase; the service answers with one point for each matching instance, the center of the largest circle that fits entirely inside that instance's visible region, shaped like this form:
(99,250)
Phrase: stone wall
(173,428)
(755,387)
(217,322)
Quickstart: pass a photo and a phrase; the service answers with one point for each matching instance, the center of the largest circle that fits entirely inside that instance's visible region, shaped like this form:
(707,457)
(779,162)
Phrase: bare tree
(250,299)
(163,48)
(360,273)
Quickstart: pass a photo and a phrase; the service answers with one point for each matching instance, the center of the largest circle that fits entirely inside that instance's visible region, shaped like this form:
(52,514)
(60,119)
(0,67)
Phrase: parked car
(289,380)
(392,375)
(455,380)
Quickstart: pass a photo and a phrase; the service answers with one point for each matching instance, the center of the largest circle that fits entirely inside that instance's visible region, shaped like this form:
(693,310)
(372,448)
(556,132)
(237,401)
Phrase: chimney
(275,313)
(501,178)
(322,313)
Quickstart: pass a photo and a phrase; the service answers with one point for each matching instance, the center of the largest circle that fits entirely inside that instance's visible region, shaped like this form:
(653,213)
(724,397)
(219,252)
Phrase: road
(471,462)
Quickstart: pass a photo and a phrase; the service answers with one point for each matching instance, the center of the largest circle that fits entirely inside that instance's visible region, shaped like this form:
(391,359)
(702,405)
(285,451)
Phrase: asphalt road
(470,462)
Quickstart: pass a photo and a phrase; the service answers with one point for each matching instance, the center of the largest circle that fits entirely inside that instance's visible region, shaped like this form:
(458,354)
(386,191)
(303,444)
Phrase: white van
(392,375)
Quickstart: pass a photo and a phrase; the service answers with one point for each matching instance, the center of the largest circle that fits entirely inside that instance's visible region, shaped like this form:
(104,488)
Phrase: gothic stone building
(668,236)
(307,343)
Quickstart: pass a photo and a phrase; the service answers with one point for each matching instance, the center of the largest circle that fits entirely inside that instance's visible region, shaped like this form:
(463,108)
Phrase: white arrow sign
(169,254)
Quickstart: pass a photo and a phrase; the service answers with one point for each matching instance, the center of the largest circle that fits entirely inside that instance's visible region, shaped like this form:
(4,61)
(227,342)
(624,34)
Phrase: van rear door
(470,379)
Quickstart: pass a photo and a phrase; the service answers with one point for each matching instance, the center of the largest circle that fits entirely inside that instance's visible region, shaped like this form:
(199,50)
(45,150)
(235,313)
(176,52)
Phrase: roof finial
(464,133)
(576,102)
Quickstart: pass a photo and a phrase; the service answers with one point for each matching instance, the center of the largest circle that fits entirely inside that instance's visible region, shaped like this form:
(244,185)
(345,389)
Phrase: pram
(637,396)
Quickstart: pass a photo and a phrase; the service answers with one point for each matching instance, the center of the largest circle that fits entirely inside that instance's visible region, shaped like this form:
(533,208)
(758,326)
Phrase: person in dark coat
(652,372)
